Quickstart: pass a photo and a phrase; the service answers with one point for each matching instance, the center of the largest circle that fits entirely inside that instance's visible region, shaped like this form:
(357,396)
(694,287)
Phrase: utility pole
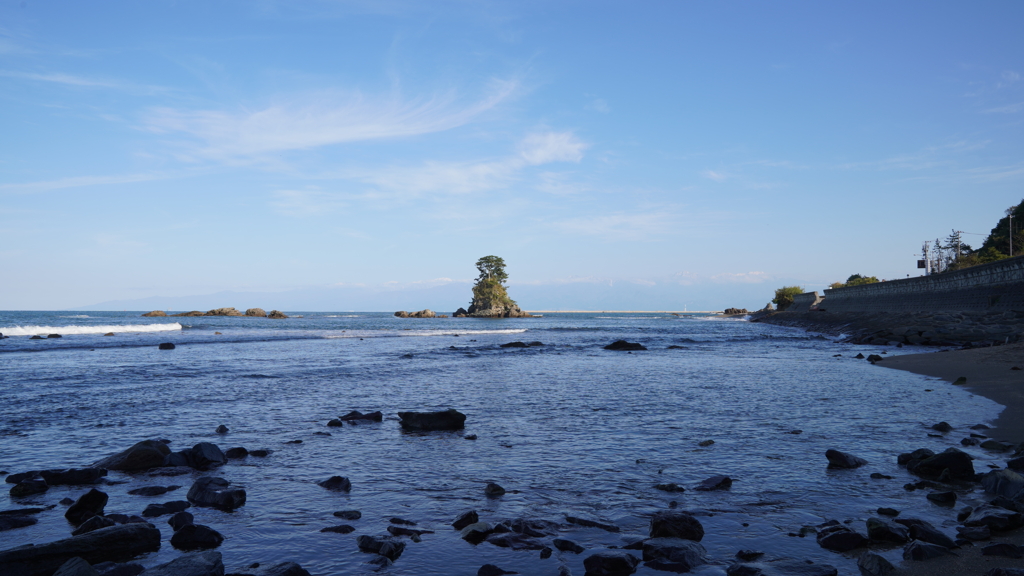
(1011,233)
(927,259)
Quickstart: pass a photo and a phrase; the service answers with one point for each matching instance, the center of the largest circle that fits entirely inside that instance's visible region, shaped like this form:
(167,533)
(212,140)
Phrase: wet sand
(989,373)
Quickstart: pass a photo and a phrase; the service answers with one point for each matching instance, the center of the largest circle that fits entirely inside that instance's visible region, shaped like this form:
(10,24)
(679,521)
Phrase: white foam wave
(65,330)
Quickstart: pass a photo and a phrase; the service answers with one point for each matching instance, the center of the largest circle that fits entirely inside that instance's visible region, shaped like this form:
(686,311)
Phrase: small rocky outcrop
(277,315)
(142,456)
(450,419)
(190,314)
(155,314)
(114,543)
(223,312)
(623,345)
(734,311)
(356,417)
(952,464)
(202,456)
(837,459)
(425,313)
(88,505)
(336,484)
(256,312)
(214,492)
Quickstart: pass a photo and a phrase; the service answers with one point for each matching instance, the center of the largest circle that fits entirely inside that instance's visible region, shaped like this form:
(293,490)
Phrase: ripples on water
(567,428)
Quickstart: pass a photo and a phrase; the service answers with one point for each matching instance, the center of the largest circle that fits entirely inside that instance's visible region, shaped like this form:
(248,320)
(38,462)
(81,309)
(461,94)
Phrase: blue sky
(708,151)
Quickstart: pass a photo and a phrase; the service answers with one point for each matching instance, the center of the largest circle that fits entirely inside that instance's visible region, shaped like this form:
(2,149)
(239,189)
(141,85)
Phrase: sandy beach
(989,373)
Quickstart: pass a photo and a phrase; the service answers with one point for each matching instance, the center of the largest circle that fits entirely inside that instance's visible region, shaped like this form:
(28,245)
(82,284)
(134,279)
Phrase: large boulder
(190,314)
(956,462)
(196,537)
(995,517)
(155,314)
(214,492)
(884,531)
(257,312)
(673,554)
(611,563)
(386,546)
(88,505)
(202,456)
(838,538)
(207,563)
(277,315)
(115,543)
(427,313)
(672,524)
(450,419)
(1006,483)
(142,456)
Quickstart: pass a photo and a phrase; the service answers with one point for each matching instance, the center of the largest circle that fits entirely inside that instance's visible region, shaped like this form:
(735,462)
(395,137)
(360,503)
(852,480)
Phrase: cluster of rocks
(425,313)
(492,311)
(923,328)
(356,417)
(944,474)
(251,312)
(735,311)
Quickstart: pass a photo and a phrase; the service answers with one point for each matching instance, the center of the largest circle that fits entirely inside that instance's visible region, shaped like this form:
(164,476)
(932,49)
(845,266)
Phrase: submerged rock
(207,563)
(956,462)
(623,345)
(196,537)
(93,523)
(715,483)
(611,563)
(336,484)
(113,543)
(29,487)
(386,546)
(673,554)
(89,504)
(670,524)
(493,490)
(142,456)
(837,459)
(216,493)
(839,538)
(465,519)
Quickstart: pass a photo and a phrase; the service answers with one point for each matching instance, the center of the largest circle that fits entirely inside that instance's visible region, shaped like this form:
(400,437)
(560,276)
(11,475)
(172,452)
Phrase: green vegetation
(489,291)
(854,280)
(784,296)
(996,246)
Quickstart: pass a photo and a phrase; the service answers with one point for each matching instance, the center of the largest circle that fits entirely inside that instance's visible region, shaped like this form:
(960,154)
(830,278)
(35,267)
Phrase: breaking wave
(65,330)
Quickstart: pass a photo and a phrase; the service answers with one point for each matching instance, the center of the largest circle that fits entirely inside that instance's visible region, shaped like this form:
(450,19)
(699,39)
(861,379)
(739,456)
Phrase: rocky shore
(251,312)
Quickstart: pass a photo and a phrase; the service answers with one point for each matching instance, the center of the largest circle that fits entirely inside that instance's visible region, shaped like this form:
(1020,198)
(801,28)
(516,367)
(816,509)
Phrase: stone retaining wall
(804,302)
(993,287)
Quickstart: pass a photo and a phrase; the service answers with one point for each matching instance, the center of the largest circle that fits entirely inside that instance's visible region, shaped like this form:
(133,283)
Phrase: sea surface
(567,428)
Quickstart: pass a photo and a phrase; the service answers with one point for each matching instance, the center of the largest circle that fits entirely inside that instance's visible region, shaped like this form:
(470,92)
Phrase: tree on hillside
(1007,227)
(491,268)
(784,296)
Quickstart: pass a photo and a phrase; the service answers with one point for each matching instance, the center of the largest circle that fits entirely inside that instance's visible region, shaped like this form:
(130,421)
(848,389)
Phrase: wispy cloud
(82,81)
(546,147)
(621,226)
(77,181)
(1008,109)
(716,176)
(322,119)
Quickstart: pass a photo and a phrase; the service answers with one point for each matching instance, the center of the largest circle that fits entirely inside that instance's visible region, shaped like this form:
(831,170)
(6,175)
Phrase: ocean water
(568,428)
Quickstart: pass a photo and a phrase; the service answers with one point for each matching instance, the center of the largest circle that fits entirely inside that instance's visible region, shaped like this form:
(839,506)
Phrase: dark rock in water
(673,554)
(179,520)
(670,487)
(515,345)
(492,570)
(611,563)
(157,510)
(880,476)
(256,312)
(942,427)
(142,456)
(924,551)
(277,315)
(336,484)
(341,529)
(1016,464)
(29,487)
(54,336)
(335,423)
(493,490)
(969,441)
(671,524)
(837,459)
(1002,549)
(874,358)
(119,569)
(888,511)
(470,437)
(782,567)
(964,513)
(591,523)
(514,541)
(236,453)
(113,543)
(12,521)
(715,483)
(839,538)
(883,531)
(357,415)
(859,356)
(476,533)
(996,518)
(974,533)
(349,514)
(196,537)
(958,463)
(623,345)
(567,546)
(206,563)
(275,569)
(871,564)
(386,546)
(62,477)
(943,498)
(166,346)
(402,521)
(36,337)
(216,493)
(546,553)
(93,523)
(222,429)
(76,567)
(996,446)
(260,453)
(925,532)
(465,519)
(748,555)
(89,504)
(152,490)
(919,454)
(1006,483)
(450,419)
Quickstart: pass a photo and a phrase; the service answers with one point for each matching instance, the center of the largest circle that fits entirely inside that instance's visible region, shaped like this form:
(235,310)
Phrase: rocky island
(490,296)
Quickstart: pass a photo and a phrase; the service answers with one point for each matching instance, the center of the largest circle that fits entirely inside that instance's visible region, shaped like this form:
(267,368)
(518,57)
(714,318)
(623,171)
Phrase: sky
(648,155)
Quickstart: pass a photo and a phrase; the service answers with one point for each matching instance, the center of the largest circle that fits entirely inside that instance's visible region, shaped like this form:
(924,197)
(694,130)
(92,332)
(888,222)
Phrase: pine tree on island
(490,296)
